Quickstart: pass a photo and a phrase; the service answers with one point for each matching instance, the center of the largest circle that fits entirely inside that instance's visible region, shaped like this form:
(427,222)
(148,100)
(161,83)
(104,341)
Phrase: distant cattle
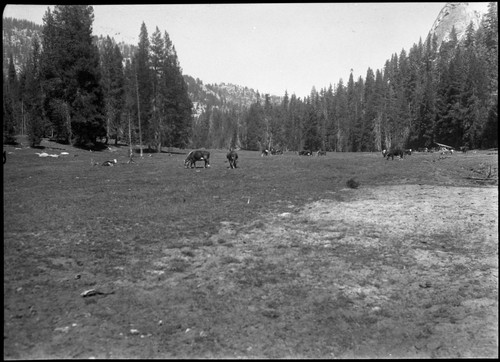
(232,156)
(197,155)
(424,149)
(384,153)
(305,153)
(264,153)
(275,151)
(395,152)
(321,153)
(408,152)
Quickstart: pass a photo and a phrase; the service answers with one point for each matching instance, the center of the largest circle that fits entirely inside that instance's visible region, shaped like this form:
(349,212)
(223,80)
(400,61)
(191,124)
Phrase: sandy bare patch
(419,262)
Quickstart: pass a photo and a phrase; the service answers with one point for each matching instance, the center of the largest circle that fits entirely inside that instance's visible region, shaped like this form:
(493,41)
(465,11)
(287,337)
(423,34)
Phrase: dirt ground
(395,271)
(420,261)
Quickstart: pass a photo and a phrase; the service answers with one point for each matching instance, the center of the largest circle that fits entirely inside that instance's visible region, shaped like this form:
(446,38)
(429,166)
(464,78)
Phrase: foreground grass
(162,239)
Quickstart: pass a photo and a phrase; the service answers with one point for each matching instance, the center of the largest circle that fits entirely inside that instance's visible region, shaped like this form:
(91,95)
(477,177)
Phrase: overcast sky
(270,47)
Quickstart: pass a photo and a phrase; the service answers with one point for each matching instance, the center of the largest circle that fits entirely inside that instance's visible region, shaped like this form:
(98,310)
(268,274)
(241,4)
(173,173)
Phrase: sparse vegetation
(273,259)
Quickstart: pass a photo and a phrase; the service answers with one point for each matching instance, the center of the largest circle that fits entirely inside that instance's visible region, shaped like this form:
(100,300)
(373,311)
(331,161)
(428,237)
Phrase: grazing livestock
(408,152)
(384,153)
(197,155)
(232,156)
(305,153)
(395,152)
(424,149)
(264,153)
(321,153)
(274,151)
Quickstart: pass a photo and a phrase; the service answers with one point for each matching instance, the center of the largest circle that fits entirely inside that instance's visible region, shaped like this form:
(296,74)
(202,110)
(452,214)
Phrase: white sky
(270,47)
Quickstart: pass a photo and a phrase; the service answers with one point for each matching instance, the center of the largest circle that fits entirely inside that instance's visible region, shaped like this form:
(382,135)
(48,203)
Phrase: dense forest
(78,88)
(429,94)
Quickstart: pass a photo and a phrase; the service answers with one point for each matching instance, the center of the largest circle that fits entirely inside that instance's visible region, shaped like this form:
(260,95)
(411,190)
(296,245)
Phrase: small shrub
(352,184)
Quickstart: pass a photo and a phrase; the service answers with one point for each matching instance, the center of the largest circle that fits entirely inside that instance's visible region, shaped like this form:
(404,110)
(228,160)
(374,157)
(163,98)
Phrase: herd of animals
(232,156)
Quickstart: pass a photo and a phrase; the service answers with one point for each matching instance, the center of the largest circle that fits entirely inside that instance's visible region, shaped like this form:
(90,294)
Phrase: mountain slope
(222,95)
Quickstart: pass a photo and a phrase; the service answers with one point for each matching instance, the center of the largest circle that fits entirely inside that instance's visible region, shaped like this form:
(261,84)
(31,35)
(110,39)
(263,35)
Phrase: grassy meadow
(154,238)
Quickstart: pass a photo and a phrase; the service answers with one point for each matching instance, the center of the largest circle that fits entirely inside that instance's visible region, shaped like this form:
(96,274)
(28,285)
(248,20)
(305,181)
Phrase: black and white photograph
(250,180)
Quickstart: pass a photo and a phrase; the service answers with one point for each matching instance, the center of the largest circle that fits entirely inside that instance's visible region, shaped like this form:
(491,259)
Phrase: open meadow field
(277,258)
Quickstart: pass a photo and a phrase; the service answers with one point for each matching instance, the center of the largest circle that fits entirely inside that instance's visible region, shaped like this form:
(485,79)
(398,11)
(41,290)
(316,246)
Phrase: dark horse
(232,156)
(395,152)
(197,155)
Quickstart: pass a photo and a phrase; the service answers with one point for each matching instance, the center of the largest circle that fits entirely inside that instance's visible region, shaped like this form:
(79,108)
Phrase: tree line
(446,94)
(76,89)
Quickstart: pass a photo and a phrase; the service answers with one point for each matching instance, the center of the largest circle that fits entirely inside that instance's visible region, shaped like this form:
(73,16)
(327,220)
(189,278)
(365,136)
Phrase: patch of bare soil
(400,271)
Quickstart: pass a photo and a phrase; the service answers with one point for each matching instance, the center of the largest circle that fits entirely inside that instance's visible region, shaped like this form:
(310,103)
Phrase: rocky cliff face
(459,15)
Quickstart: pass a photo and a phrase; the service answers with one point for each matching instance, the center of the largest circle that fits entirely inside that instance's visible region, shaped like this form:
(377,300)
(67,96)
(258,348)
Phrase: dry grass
(226,262)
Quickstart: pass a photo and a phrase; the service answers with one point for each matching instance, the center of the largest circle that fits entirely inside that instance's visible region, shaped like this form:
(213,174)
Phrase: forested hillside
(431,93)
(17,35)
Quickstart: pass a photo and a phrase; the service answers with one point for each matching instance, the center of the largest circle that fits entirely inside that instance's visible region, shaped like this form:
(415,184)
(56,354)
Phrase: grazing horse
(232,156)
(395,152)
(197,155)
(305,153)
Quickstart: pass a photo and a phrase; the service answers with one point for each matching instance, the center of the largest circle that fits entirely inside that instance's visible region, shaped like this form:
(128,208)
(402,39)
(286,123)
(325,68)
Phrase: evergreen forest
(77,88)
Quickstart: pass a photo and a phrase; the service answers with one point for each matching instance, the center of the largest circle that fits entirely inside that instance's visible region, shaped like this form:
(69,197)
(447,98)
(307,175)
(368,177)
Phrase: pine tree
(74,100)
(10,104)
(449,126)
(311,137)
(352,114)
(143,86)
(157,60)
(177,104)
(341,117)
(32,96)
(378,105)
(113,86)
(491,57)
(369,118)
